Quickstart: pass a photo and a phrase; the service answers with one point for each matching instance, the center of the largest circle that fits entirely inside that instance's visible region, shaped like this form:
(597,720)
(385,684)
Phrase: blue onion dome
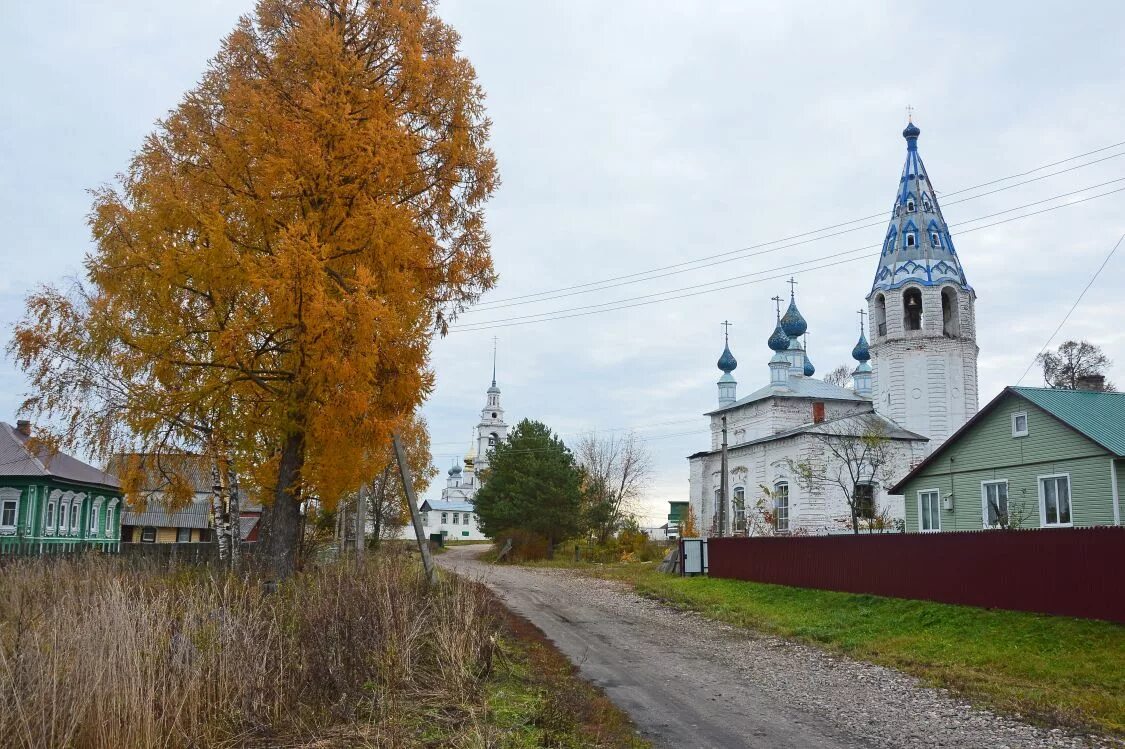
(810,370)
(911,132)
(778,341)
(792,323)
(727,362)
(861,353)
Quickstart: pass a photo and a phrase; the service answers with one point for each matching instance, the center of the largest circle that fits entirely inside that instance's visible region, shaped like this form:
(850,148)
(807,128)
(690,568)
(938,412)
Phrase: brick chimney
(23,426)
(1090,382)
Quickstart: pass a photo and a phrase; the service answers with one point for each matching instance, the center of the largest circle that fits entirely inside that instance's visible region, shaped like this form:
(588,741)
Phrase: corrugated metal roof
(798,387)
(1100,416)
(195,515)
(16,459)
(451,506)
(842,426)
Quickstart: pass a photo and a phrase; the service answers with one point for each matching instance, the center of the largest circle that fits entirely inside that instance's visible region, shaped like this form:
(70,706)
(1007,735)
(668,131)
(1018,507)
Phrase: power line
(585,310)
(762,252)
(578,288)
(1072,308)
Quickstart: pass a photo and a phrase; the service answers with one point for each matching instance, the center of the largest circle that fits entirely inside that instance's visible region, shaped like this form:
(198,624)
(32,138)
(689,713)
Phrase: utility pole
(412,502)
(723,484)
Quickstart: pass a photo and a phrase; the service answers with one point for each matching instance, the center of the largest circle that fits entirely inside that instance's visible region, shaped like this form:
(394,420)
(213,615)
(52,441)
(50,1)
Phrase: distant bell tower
(727,363)
(921,308)
(492,427)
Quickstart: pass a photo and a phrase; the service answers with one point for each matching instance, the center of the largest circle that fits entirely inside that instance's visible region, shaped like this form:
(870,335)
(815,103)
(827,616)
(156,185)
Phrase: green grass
(1053,669)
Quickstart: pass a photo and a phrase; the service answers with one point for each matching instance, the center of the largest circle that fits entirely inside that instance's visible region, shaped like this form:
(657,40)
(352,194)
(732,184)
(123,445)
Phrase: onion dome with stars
(917,247)
(792,322)
(727,363)
(861,352)
(778,341)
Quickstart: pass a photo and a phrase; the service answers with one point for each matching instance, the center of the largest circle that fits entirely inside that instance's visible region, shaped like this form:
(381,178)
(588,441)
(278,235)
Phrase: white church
(454,516)
(915,384)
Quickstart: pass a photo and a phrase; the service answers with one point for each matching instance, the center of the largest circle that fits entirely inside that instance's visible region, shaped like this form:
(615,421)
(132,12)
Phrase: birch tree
(616,469)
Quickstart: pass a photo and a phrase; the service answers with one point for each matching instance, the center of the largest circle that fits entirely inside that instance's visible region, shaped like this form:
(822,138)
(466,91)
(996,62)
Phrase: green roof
(1099,416)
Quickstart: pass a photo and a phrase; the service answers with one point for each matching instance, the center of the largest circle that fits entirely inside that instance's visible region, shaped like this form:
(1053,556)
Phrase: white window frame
(935,239)
(63,517)
(110,528)
(777,505)
(14,501)
(1043,500)
(75,519)
(921,510)
(738,513)
(444,518)
(457,518)
(984,499)
(95,516)
(49,520)
(911,205)
(145,528)
(911,240)
(1016,431)
(425,516)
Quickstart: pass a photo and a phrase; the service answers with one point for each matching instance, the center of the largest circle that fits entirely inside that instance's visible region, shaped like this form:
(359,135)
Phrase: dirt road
(690,682)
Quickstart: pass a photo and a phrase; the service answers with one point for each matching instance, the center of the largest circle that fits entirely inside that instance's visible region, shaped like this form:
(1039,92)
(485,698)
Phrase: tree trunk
(360,521)
(235,515)
(219,510)
(281,521)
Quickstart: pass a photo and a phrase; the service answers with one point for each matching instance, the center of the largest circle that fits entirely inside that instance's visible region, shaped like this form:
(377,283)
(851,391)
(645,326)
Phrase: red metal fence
(1063,571)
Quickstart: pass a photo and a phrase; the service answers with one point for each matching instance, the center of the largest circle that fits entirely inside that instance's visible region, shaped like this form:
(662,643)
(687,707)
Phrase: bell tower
(922,312)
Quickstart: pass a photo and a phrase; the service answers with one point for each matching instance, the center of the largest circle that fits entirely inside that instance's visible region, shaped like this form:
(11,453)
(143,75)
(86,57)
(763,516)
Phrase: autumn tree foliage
(616,470)
(280,251)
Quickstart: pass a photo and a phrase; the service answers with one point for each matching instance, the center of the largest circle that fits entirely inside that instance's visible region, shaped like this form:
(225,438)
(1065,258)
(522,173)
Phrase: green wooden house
(53,502)
(1031,458)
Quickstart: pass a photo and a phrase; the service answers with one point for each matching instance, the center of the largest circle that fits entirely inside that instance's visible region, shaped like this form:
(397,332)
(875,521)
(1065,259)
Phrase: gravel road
(690,682)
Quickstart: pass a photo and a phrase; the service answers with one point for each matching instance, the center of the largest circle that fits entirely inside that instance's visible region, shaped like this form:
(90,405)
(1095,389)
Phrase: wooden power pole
(412,501)
(723,484)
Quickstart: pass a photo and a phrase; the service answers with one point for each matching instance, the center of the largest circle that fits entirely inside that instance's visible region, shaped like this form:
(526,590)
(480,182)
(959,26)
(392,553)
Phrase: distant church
(916,380)
(454,515)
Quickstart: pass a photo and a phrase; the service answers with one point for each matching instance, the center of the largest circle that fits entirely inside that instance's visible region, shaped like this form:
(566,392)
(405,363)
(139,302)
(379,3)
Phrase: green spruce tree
(532,484)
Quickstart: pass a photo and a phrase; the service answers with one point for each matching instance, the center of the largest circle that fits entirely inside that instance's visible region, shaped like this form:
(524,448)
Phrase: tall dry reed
(95,653)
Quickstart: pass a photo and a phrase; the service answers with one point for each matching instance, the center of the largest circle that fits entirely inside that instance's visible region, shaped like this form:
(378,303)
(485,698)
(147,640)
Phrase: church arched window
(739,508)
(880,314)
(781,506)
(950,319)
(912,309)
(493,439)
(935,239)
(926,204)
(910,240)
(910,205)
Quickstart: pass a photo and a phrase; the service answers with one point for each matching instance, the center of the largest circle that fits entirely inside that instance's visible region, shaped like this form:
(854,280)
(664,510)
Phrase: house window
(425,515)
(994,495)
(50,517)
(929,510)
(8,513)
(95,511)
(444,518)
(910,240)
(148,535)
(739,508)
(205,535)
(1054,500)
(183,535)
(456,518)
(468,518)
(781,506)
(109,529)
(62,516)
(74,518)
(864,499)
(1019,424)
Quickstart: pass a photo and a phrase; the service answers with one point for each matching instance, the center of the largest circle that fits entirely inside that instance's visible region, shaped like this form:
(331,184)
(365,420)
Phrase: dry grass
(96,654)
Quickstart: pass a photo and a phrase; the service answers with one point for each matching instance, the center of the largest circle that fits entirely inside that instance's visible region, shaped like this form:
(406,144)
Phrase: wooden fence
(1064,571)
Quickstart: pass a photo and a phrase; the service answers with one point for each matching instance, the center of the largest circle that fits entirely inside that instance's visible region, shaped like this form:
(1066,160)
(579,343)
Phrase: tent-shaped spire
(917,247)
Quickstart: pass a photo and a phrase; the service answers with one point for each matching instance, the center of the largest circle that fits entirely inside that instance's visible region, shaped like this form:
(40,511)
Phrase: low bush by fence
(1064,571)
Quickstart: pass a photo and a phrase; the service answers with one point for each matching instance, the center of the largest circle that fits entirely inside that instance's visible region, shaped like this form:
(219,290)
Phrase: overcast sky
(637,135)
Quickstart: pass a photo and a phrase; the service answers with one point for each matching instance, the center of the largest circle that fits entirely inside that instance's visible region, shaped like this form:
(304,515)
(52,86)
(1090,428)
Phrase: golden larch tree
(286,242)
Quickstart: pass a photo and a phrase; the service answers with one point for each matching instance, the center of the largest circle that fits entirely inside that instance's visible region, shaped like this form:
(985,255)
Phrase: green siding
(988,451)
(31,534)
